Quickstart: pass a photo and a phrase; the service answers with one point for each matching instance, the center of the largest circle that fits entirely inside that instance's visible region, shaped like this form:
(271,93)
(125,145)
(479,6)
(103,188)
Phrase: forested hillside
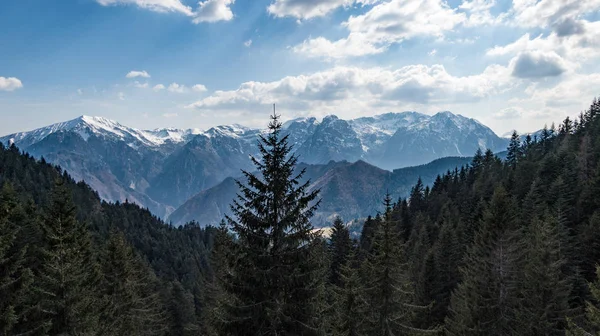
(495,248)
(498,247)
(71,264)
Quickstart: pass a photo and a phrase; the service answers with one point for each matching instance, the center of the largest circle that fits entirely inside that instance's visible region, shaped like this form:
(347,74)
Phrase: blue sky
(175,63)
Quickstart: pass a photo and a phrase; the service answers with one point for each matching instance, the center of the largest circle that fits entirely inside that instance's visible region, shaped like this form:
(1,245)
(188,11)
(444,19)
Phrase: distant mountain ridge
(350,190)
(161,169)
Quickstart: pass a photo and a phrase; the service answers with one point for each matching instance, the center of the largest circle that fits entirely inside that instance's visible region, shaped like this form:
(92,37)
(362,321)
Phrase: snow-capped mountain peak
(87,126)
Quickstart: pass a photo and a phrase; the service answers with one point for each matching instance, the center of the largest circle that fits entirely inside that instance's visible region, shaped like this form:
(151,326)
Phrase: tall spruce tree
(278,281)
(348,300)
(69,275)
(591,327)
(15,278)
(514,150)
(217,299)
(483,302)
(543,286)
(340,247)
(388,288)
(131,305)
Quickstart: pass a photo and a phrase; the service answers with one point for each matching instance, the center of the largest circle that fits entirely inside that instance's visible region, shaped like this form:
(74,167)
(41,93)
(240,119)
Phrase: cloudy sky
(512,64)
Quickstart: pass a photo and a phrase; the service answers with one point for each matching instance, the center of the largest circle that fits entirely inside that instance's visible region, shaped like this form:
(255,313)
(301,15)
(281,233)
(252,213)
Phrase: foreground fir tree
(68,277)
(277,281)
(592,313)
(483,302)
(217,297)
(131,305)
(349,304)
(340,247)
(388,289)
(15,278)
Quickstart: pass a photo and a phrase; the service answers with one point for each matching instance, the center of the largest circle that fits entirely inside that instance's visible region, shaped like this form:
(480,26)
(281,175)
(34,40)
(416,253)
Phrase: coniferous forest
(497,247)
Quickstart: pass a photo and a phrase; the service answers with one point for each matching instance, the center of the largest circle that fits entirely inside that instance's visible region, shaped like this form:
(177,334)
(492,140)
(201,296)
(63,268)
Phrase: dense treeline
(72,264)
(493,248)
(498,247)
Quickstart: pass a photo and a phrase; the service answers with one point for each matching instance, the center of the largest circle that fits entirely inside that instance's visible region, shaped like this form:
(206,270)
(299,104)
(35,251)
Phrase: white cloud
(177,88)
(213,11)
(158,87)
(508,113)
(162,6)
(479,12)
(248,43)
(576,49)
(307,9)
(199,88)
(570,96)
(170,115)
(10,84)
(135,74)
(141,85)
(121,96)
(537,64)
(563,16)
(432,53)
(385,24)
(361,90)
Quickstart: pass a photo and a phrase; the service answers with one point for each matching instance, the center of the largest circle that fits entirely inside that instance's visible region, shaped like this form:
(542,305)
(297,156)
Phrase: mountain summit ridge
(162,168)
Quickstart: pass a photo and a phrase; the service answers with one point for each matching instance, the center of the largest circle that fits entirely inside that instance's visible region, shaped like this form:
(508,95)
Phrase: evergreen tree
(340,247)
(181,311)
(217,300)
(388,287)
(483,302)
(514,150)
(349,302)
(15,278)
(68,276)
(278,280)
(543,287)
(592,313)
(446,257)
(131,305)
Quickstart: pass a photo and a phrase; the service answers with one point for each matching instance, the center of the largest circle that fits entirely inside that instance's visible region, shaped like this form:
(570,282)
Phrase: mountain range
(164,169)
(350,190)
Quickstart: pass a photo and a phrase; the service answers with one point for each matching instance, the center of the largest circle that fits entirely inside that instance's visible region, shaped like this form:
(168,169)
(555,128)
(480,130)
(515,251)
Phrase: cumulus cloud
(508,113)
(162,6)
(135,74)
(361,88)
(479,12)
(10,84)
(207,11)
(213,11)
(559,15)
(575,49)
(385,24)
(199,88)
(308,9)
(248,43)
(537,64)
(177,88)
(158,87)
(141,85)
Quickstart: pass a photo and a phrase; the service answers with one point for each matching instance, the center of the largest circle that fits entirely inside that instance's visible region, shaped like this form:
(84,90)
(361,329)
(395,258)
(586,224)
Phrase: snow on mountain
(162,168)
(86,126)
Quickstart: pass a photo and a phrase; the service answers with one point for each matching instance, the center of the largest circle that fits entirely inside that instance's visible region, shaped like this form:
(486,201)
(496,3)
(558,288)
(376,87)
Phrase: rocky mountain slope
(162,168)
(350,190)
